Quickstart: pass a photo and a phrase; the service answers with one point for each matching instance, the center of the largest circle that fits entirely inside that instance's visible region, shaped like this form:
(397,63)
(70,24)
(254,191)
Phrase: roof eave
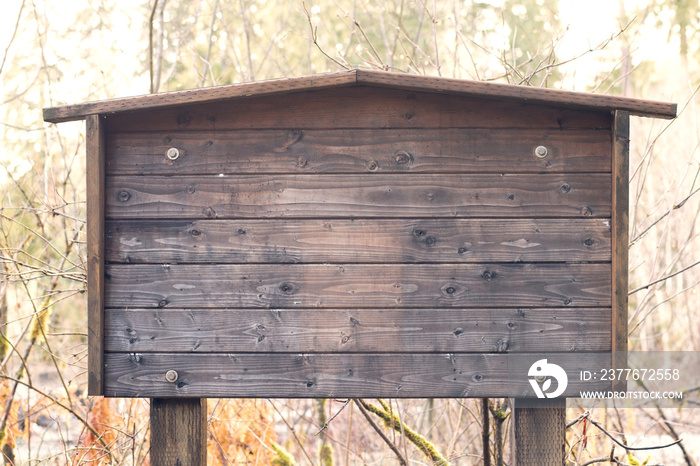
(352,78)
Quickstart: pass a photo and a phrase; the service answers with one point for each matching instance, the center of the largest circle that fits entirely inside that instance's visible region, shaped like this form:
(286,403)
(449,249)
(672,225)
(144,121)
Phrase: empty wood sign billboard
(353,234)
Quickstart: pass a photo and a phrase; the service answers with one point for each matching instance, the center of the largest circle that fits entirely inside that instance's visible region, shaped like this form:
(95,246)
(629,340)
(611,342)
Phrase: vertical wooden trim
(538,436)
(95,148)
(178,431)
(620,237)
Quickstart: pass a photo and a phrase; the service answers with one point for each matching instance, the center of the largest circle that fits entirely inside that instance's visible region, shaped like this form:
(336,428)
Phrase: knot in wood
(450,290)
(195,232)
(462,250)
(589,242)
(295,135)
(402,157)
(286,288)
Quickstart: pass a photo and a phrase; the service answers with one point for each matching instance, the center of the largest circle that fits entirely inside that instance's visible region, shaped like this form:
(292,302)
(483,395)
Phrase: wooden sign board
(355,234)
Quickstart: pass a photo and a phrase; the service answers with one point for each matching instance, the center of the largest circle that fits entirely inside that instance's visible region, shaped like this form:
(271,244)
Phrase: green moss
(392,421)
(282,457)
(321,408)
(4,346)
(326,455)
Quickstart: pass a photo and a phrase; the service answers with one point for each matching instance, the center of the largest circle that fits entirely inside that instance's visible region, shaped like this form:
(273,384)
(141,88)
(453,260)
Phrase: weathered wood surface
(355,241)
(620,246)
(291,375)
(358,286)
(579,100)
(209,94)
(352,330)
(342,79)
(360,107)
(95,188)
(373,195)
(358,151)
(178,432)
(539,432)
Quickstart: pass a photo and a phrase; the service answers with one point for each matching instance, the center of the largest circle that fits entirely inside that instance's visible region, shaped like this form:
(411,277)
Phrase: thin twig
(294,433)
(675,207)
(68,409)
(626,447)
(314,38)
(688,460)
(12,39)
(209,44)
(325,425)
(663,278)
(374,426)
(150,44)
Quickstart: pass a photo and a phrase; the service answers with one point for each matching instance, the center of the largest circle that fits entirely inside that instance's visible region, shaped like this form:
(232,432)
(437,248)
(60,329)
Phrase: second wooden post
(178,431)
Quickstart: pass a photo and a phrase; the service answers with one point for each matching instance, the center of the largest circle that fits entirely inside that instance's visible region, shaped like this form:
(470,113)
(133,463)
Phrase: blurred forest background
(55,52)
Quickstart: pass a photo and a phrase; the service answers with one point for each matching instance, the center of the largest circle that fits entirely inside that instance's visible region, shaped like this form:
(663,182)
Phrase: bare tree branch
(12,38)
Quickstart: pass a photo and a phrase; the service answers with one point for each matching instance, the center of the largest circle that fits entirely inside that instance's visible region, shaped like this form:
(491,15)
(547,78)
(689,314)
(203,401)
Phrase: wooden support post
(620,241)
(95,165)
(539,432)
(178,431)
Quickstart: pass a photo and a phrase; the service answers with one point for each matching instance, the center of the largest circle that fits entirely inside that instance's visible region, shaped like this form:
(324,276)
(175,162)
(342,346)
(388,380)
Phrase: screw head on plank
(172,153)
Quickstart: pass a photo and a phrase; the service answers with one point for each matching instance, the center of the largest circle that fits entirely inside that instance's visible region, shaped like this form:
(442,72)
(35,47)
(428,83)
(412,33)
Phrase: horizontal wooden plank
(360,107)
(371,195)
(338,375)
(358,151)
(358,241)
(357,286)
(355,331)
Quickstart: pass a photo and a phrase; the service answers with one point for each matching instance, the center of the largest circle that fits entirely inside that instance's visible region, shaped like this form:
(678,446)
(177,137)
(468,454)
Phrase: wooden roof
(354,78)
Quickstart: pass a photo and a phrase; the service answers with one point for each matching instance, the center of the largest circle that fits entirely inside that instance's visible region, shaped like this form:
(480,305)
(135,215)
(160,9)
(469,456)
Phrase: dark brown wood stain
(351,241)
